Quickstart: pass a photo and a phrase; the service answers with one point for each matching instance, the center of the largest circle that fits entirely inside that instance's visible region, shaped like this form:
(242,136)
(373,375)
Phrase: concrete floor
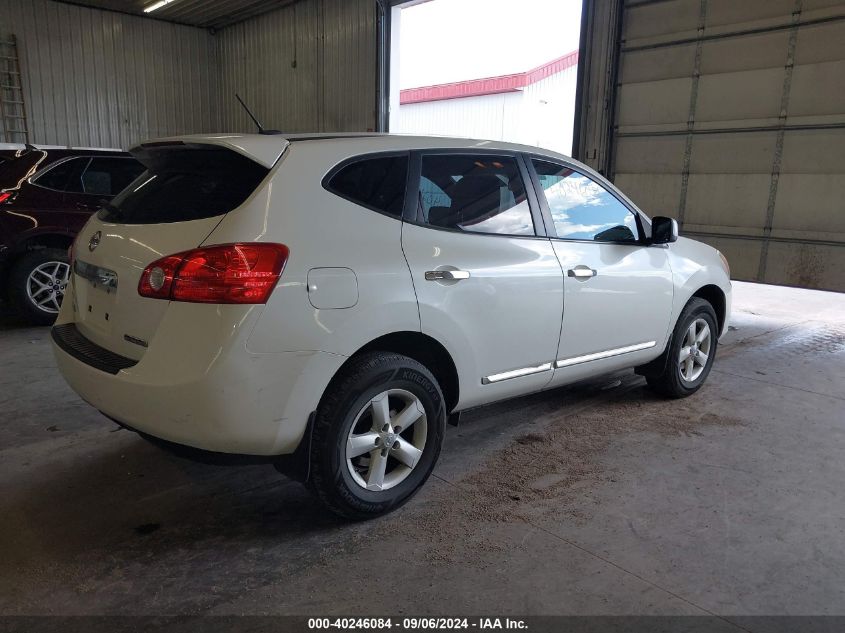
(595,499)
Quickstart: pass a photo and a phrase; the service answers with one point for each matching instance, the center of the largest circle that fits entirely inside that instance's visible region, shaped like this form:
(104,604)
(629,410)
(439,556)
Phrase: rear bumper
(70,340)
(224,399)
(201,455)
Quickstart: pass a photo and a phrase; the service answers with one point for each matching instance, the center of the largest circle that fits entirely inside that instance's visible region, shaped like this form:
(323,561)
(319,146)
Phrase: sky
(452,40)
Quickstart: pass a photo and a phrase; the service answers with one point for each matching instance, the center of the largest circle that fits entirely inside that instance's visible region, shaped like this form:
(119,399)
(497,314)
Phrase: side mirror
(663,230)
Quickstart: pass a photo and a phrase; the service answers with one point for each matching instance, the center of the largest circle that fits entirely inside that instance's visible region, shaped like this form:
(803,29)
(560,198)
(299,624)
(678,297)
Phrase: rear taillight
(4,196)
(227,273)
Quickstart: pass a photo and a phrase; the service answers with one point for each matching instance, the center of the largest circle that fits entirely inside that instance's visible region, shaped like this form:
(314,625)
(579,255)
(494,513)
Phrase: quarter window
(376,183)
(58,177)
(109,176)
(582,209)
(477,194)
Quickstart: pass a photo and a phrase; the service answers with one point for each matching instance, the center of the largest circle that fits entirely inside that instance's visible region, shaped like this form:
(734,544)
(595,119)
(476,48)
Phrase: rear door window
(474,194)
(377,183)
(183,183)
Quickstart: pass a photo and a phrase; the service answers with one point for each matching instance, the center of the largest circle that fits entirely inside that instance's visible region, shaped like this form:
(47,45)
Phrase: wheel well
(425,350)
(716,298)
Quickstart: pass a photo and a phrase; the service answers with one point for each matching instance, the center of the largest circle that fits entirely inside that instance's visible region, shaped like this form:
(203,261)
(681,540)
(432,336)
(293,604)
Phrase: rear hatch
(172,207)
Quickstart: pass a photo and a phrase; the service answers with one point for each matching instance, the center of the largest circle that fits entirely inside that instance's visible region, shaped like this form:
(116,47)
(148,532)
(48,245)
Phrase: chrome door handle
(582,272)
(446,275)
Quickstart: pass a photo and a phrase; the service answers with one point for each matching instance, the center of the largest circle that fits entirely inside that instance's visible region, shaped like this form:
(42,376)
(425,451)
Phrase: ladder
(13,123)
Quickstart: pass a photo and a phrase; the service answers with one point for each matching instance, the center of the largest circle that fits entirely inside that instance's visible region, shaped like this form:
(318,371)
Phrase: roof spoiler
(264,150)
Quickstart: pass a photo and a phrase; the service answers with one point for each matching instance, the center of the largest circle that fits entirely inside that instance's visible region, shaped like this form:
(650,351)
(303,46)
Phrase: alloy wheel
(386,440)
(46,285)
(695,350)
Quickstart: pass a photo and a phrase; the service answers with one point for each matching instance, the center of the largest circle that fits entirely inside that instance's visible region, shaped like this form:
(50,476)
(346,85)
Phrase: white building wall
(548,113)
(541,114)
(487,117)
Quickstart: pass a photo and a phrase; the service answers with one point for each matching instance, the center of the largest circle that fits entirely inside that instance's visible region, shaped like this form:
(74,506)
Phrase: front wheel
(37,284)
(689,357)
(377,435)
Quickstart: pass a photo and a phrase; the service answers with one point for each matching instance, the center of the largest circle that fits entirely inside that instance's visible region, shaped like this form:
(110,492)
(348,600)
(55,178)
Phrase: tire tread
(329,414)
(668,382)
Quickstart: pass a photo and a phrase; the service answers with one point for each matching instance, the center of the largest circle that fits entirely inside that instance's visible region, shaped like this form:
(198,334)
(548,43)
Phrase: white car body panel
(325,231)
(218,397)
(104,315)
(505,317)
(622,313)
(245,378)
(694,266)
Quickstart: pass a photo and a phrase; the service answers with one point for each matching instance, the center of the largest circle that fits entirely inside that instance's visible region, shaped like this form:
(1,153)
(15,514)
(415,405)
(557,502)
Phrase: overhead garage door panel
(825,221)
(650,155)
(743,254)
(814,7)
(656,194)
(818,90)
(725,202)
(740,96)
(814,152)
(749,53)
(820,43)
(716,154)
(653,64)
(811,187)
(730,116)
(668,19)
(659,103)
(733,13)
(807,265)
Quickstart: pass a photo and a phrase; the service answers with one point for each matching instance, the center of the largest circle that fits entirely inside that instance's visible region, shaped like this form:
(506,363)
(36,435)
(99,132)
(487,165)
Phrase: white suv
(327,302)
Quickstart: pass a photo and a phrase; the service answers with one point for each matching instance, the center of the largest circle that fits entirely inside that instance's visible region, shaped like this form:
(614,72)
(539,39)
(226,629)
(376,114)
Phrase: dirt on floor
(540,473)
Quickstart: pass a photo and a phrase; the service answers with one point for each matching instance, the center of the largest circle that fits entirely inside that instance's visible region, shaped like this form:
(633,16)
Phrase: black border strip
(70,340)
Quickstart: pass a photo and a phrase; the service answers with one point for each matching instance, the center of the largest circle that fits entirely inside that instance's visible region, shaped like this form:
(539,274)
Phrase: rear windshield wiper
(112,213)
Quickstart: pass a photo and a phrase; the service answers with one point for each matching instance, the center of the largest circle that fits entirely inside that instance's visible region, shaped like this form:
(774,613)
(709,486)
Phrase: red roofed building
(536,107)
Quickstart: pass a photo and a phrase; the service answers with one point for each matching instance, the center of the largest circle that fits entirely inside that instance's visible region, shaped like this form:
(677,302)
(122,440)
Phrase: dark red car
(46,196)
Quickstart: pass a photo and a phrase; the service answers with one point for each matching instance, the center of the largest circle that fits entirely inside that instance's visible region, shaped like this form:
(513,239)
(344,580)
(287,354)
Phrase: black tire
(19,280)
(348,395)
(669,381)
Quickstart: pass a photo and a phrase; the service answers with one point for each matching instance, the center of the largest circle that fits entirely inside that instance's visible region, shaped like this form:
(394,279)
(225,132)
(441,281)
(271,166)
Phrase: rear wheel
(689,357)
(37,284)
(377,435)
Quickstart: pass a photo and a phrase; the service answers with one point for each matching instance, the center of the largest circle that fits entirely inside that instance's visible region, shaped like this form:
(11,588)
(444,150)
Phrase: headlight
(725,264)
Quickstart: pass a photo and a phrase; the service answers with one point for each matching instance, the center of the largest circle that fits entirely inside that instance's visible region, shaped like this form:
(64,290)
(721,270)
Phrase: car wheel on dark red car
(37,284)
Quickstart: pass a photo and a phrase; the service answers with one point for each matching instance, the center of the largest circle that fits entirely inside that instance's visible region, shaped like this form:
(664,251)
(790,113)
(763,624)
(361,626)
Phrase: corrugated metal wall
(308,67)
(105,79)
(731,117)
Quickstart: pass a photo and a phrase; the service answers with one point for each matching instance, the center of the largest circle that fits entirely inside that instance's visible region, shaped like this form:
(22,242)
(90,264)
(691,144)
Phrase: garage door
(730,116)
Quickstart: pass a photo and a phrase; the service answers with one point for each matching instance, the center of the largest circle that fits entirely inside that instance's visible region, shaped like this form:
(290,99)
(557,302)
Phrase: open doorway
(488,69)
